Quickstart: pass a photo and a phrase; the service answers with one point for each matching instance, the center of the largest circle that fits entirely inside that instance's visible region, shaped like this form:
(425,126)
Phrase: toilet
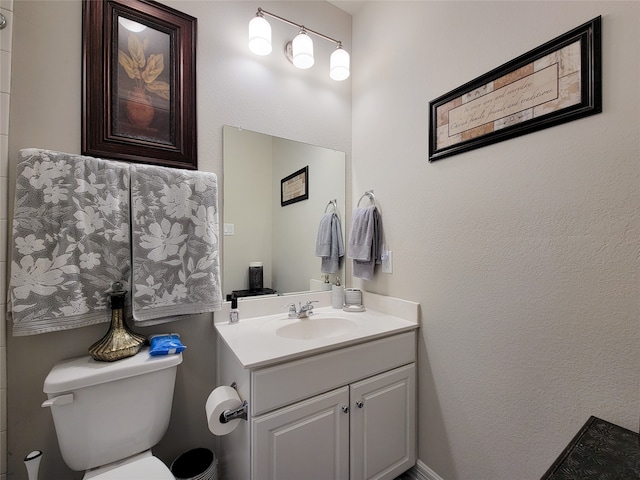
(108,415)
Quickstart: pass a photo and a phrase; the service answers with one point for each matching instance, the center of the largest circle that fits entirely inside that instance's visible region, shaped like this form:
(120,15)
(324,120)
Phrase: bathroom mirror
(259,226)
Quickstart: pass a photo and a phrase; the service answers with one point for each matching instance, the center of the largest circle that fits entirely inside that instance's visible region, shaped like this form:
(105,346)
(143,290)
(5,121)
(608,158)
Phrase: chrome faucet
(303,311)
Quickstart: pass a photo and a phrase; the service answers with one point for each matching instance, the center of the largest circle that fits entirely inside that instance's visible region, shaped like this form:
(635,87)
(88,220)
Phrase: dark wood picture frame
(295,187)
(557,82)
(139,88)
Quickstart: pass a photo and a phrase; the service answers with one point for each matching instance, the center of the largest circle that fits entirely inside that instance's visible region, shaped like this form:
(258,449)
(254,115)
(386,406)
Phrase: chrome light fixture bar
(300,50)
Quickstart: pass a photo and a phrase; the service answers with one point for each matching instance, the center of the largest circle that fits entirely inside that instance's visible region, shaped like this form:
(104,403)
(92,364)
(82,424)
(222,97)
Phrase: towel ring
(368,193)
(333,202)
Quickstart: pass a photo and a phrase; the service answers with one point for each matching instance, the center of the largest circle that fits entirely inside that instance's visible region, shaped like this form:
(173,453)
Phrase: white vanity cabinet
(363,431)
(383,424)
(348,413)
(307,440)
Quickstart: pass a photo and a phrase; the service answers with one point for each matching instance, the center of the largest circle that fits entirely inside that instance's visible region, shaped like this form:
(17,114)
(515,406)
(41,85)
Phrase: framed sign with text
(295,187)
(555,83)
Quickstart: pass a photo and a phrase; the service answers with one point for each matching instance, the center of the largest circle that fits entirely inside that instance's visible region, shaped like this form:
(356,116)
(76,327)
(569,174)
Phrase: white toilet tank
(107,411)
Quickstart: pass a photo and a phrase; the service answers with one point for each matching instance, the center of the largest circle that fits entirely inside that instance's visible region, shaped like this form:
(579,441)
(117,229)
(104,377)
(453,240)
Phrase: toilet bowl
(108,415)
(141,466)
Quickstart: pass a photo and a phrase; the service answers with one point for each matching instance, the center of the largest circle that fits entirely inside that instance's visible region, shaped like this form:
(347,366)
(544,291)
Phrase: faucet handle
(292,309)
(308,307)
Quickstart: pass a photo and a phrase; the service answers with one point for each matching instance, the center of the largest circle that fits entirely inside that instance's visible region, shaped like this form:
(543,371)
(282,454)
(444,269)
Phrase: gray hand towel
(365,241)
(329,244)
(323,242)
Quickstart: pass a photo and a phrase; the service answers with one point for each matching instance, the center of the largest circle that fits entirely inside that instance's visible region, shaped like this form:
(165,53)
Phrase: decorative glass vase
(119,342)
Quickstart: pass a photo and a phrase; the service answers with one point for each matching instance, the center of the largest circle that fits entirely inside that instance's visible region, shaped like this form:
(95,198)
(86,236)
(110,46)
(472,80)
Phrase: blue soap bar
(166,344)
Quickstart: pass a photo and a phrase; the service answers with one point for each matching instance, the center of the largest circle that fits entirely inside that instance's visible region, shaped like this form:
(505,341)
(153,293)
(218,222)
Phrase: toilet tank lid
(76,373)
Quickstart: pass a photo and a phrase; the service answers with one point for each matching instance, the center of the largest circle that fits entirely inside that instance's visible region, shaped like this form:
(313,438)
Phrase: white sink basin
(263,340)
(314,328)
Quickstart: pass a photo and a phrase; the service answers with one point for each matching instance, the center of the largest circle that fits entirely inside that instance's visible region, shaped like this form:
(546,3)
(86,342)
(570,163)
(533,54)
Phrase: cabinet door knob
(345,408)
(359,404)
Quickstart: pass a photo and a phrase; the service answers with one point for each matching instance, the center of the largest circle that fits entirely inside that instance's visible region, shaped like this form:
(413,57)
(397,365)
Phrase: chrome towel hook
(3,21)
(333,202)
(368,193)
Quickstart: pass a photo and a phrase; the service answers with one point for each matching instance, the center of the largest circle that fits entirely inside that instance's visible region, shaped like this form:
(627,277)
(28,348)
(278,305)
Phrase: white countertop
(255,343)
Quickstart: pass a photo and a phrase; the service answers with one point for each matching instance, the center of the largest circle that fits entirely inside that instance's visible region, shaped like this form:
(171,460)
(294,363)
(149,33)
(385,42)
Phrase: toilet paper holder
(231,414)
(240,412)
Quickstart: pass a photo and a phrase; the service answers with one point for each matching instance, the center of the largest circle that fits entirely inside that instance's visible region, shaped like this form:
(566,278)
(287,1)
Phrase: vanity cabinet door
(383,424)
(307,440)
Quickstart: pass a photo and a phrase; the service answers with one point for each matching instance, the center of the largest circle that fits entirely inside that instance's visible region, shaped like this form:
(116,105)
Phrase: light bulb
(302,47)
(259,36)
(339,64)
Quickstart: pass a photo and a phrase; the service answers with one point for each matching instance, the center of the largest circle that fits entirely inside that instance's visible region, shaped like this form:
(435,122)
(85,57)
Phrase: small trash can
(196,464)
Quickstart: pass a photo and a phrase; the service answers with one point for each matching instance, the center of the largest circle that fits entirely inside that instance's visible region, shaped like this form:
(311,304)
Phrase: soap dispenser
(234,314)
(337,294)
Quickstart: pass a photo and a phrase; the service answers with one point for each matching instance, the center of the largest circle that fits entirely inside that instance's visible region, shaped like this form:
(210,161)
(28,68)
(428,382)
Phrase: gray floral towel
(70,240)
(175,234)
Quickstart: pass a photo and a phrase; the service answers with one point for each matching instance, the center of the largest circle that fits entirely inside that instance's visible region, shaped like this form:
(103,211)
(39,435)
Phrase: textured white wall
(234,87)
(523,255)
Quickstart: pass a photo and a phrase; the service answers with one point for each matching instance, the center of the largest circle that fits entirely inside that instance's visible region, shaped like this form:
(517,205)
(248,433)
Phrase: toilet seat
(139,467)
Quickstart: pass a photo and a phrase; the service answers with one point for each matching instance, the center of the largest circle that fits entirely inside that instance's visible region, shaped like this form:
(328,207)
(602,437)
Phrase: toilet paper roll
(221,399)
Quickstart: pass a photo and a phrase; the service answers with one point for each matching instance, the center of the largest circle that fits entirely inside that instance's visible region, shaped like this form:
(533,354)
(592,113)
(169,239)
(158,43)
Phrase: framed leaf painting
(139,83)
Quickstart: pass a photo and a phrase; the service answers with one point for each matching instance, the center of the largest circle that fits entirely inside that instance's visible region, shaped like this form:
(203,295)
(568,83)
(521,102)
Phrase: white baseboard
(421,472)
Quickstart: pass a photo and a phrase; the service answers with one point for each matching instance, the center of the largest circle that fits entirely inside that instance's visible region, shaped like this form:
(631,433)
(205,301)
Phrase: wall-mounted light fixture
(300,50)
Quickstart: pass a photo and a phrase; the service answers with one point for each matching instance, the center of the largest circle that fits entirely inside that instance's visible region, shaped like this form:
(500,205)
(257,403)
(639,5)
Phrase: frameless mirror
(275,193)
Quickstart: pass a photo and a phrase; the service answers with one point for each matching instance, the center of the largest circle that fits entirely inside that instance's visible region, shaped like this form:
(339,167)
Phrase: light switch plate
(229,228)
(387,262)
